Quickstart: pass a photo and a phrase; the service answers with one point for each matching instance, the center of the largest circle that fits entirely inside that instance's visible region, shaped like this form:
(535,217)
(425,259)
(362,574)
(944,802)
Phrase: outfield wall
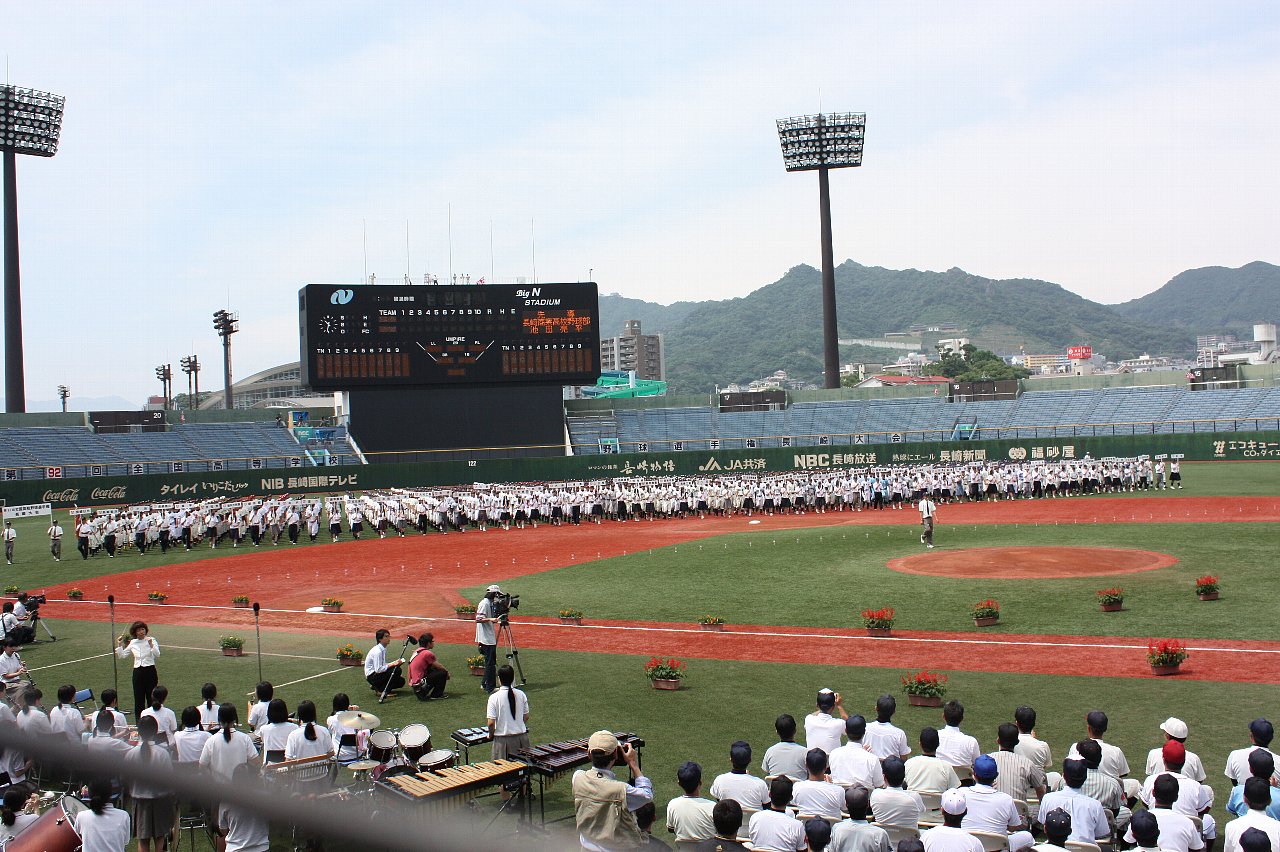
(181,487)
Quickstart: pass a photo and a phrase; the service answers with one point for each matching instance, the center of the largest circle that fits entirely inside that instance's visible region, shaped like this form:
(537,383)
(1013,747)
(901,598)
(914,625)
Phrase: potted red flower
(1165,656)
(1207,587)
(986,613)
(664,674)
(1112,600)
(878,622)
(925,688)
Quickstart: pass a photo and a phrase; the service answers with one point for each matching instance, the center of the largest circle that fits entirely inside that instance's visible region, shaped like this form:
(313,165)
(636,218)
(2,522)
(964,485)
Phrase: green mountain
(1212,300)
(779,326)
(654,318)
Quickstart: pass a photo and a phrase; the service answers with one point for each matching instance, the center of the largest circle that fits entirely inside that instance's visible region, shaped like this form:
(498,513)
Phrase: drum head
(415,735)
(382,739)
(438,759)
(72,806)
(392,771)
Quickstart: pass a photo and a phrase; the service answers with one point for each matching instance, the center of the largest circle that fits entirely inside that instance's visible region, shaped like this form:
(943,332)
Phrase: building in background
(634,350)
(278,387)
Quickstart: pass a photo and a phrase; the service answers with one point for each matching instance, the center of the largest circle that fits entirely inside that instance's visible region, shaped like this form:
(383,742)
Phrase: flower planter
(705,627)
(465,616)
(478,671)
(75,597)
(233,652)
(1161,671)
(986,622)
(924,700)
(157,602)
(329,608)
(1115,607)
(879,631)
(577,621)
(240,604)
(351,661)
(1208,596)
(663,683)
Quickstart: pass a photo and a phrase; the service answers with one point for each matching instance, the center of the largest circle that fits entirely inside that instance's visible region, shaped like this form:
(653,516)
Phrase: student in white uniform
(309,740)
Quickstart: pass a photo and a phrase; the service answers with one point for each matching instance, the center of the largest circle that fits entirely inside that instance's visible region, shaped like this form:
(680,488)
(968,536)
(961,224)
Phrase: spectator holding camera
(604,807)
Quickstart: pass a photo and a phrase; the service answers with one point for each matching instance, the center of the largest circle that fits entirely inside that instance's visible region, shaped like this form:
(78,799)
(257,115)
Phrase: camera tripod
(513,653)
(36,619)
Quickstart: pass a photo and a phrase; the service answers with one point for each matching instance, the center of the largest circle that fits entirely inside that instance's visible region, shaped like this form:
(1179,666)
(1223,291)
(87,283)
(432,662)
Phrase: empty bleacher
(79,451)
(1107,411)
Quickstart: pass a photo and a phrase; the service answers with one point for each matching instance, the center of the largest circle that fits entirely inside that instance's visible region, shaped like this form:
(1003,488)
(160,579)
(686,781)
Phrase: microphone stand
(257,629)
(115,668)
(408,640)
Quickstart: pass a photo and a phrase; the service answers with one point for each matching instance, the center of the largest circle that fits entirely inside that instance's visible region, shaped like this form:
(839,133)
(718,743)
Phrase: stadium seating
(1104,411)
(79,451)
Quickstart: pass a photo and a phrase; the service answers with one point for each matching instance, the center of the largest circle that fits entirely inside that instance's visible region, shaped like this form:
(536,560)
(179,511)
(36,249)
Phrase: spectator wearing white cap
(487,638)
(986,808)
(821,729)
(1175,729)
(950,837)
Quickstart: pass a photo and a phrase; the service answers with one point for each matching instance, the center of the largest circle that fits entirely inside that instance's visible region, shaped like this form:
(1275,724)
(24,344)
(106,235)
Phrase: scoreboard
(406,335)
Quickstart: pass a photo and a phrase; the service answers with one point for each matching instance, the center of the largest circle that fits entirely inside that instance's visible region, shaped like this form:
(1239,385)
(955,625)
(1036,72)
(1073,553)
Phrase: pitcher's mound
(1032,562)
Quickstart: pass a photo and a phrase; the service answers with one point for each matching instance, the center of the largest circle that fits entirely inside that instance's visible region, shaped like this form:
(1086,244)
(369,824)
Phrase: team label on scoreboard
(402,335)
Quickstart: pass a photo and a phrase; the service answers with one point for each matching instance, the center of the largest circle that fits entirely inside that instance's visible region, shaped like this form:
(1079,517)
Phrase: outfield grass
(573,694)
(825,577)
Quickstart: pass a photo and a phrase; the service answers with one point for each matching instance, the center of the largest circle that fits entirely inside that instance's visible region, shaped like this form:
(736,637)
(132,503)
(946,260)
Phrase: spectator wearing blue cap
(1261,765)
(986,808)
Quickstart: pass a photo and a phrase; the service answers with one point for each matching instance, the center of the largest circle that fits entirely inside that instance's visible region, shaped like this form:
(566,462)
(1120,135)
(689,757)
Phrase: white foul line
(765,633)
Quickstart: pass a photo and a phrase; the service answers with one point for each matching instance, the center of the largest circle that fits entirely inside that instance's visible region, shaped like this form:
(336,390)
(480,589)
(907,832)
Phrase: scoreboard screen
(405,335)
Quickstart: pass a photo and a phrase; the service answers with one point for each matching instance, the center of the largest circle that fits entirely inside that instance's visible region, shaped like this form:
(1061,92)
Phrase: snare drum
(441,758)
(415,739)
(53,831)
(382,746)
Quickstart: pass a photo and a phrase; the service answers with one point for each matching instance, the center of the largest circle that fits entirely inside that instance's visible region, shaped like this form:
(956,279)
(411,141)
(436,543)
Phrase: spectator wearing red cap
(1193,798)
(1257,797)
(986,808)
(1175,729)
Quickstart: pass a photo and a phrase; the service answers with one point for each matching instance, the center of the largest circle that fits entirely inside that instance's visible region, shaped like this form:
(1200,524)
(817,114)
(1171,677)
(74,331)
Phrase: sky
(223,155)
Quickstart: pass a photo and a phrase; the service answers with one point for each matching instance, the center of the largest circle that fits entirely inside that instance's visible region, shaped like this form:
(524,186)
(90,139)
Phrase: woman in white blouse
(275,734)
(144,649)
(310,740)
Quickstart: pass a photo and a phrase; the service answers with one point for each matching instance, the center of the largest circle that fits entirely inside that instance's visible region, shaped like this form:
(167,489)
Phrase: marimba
(552,760)
(446,790)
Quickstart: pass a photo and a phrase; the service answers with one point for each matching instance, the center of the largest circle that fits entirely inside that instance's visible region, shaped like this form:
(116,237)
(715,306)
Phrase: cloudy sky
(224,154)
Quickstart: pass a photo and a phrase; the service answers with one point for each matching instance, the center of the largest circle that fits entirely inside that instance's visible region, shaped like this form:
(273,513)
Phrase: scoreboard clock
(404,335)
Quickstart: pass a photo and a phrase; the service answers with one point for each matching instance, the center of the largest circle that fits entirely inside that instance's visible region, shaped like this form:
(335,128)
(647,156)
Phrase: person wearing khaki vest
(604,807)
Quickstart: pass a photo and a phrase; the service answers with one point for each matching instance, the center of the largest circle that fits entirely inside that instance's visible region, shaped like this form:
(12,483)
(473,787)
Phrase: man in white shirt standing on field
(928,509)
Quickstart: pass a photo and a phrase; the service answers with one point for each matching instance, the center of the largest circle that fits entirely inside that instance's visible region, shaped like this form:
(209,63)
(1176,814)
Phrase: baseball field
(791,590)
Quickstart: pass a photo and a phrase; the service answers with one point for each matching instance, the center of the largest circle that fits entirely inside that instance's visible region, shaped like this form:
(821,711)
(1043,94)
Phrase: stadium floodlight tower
(226,324)
(30,123)
(821,142)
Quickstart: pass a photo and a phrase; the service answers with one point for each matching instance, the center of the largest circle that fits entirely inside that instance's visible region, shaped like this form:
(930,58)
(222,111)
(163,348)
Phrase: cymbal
(358,720)
(362,765)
